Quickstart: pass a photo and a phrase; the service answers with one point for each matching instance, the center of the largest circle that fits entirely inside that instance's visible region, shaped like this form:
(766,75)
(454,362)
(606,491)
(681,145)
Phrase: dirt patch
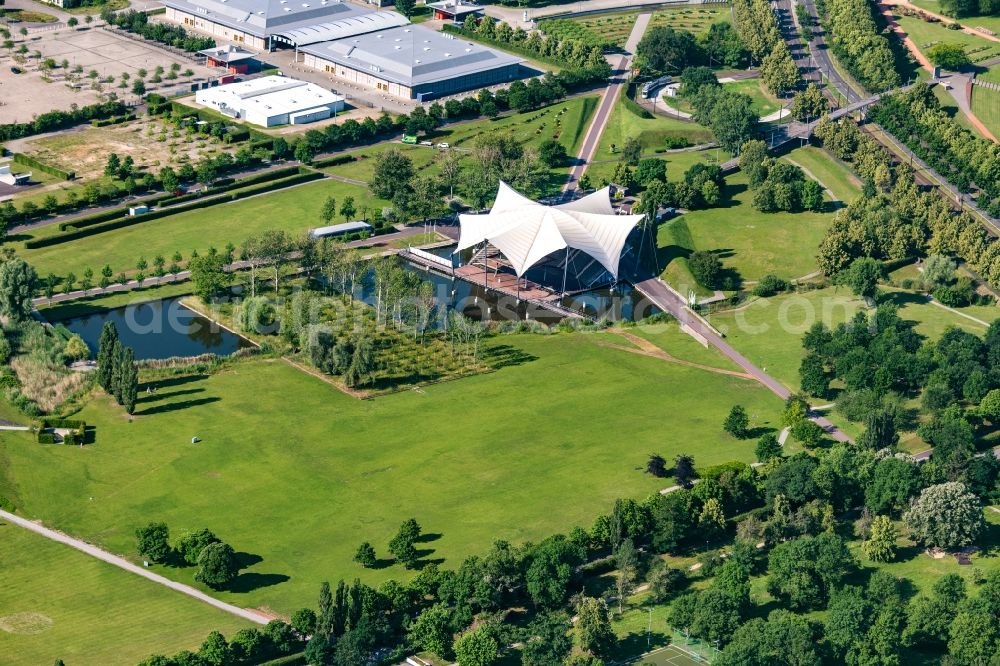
(25,623)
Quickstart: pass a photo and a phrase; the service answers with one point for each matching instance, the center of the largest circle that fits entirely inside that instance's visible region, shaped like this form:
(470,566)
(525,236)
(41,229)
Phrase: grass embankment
(59,603)
(298,474)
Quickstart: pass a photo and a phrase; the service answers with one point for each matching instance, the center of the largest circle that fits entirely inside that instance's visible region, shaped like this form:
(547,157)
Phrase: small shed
(230,57)
(340,229)
(8,177)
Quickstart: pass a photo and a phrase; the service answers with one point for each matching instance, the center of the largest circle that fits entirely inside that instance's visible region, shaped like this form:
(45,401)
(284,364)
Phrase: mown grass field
(986,106)
(925,35)
(828,170)
(753,243)
(652,134)
(295,210)
(988,22)
(769,331)
(59,603)
(764,102)
(295,473)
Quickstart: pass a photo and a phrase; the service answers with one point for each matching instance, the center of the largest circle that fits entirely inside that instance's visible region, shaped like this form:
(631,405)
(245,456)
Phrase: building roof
(526,231)
(455,8)
(271,95)
(411,55)
(348,27)
(343,228)
(228,53)
(266,17)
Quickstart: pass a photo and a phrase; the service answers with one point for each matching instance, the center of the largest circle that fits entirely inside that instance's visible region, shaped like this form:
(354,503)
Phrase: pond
(159,329)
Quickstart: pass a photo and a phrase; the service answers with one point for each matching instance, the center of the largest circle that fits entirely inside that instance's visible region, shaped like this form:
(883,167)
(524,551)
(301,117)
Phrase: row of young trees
(893,219)
(54,120)
(757,27)
(967,161)
(859,44)
(165,33)
(117,372)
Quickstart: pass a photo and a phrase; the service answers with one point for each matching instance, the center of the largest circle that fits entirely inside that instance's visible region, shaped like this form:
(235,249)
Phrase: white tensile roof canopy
(526,231)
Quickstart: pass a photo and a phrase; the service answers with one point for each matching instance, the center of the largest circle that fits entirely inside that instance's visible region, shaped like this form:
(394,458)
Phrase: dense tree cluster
(758,29)
(217,562)
(778,185)
(251,645)
(117,372)
(165,33)
(967,161)
(962,8)
(893,219)
(728,114)
(858,42)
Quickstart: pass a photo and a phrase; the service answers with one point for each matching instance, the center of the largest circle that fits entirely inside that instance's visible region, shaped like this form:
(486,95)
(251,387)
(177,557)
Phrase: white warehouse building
(272,100)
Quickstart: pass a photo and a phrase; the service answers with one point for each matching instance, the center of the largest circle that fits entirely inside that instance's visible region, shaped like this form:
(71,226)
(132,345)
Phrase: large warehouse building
(379,50)
(272,100)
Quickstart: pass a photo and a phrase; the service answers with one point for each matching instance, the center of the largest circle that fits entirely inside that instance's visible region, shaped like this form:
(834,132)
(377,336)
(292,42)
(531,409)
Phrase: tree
(190,546)
(406,7)
(656,466)
(712,520)
(778,70)
(431,630)
(631,152)
(552,153)
(153,542)
(76,349)
(402,545)
(18,283)
(477,648)
(862,277)
(892,483)
(813,376)
(549,641)
(785,639)
(365,555)
(329,209)
(169,180)
(138,87)
(347,209)
(881,544)
(73,22)
(793,480)
(551,570)
(593,626)
(112,166)
(737,422)
(768,447)
(705,267)
(393,173)
(105,359)
(974,636)
(809,433)
(664,49)
(217,565)
(754,162)
(684,470)
(949,56)
(209,275)
(129,386)
(945,516)
(809,104)
(627,563)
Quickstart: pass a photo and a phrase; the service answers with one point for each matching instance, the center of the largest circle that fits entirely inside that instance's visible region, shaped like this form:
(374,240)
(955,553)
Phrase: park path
(619,77)
(120,562)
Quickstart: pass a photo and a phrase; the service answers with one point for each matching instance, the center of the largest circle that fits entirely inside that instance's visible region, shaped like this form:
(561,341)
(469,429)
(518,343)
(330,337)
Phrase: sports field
(518,454)
(58,603)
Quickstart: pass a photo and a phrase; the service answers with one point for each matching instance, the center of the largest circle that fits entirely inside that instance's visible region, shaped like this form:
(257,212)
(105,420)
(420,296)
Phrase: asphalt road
(609,97)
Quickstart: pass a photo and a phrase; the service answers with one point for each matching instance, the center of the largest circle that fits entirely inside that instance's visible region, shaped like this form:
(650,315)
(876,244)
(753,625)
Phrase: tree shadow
(422,562)
(428,537)
(156,397)
(635,644)
(382,563)
(246,560)
(176,406)
(176,381)
(506,356)
(759,431)
(250,581)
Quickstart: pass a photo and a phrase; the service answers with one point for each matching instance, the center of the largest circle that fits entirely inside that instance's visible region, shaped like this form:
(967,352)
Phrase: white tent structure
(526,231)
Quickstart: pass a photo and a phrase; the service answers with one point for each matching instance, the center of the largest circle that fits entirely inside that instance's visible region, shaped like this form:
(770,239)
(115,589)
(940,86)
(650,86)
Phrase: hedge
(227,184)
(631,105)
(54,120)
(21,158)
(77,437)
(163,212)
(332,161)
(113,120)
(90,220)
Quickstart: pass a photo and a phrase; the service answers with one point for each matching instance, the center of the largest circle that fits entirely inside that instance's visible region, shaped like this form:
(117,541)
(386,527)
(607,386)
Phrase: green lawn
(296,210)
(74,607)
(298,474)
(990,74)
(926,35)
(988,22)
(986,106)
(754,243)
(764,102)
(769,331)
(828,170)
(651,133)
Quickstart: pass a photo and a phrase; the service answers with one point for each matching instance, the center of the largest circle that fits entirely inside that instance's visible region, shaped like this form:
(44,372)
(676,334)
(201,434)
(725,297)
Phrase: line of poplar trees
(116,370)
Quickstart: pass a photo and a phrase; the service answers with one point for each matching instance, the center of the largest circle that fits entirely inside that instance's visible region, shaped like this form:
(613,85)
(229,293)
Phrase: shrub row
(21,158)
(226,184)
(333,161)
(632,106)
(113,120)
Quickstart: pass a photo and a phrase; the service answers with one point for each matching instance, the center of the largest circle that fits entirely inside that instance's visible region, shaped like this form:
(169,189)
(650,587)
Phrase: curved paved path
(122,563)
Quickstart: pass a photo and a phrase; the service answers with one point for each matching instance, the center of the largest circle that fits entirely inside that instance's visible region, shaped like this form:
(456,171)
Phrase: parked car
(16,70)
(426,143)
(444,145)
